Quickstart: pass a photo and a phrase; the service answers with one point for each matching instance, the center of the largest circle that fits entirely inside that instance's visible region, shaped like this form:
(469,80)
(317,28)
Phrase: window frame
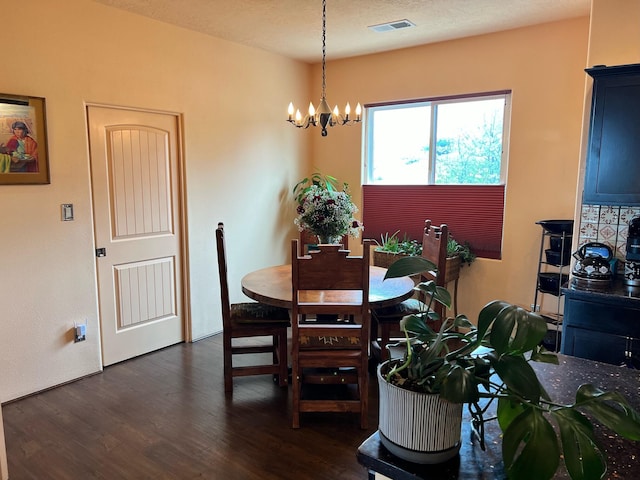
(432,102)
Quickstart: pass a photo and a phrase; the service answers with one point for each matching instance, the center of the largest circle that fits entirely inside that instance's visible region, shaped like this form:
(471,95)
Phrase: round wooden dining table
(272,285)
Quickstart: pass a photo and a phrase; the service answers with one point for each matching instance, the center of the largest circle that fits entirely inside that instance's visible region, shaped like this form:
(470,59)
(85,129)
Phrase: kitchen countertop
(616,291)
(561,382)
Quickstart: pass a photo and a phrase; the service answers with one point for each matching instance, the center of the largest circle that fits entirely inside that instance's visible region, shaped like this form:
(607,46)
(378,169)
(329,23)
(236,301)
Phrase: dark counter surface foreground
(561,381)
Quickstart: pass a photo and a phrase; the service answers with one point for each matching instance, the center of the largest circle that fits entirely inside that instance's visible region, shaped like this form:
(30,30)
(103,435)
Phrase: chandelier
(323,115)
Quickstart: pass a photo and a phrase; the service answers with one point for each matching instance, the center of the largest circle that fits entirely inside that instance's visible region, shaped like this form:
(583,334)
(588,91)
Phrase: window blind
(474,213)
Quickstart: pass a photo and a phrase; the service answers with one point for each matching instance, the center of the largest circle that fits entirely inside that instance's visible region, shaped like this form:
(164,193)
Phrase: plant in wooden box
(464,363)
(457,255)
(391,248)
(455,249)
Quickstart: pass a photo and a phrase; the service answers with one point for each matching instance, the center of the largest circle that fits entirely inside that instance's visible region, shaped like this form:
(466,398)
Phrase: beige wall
(241,160)
(614,39)
(543,66)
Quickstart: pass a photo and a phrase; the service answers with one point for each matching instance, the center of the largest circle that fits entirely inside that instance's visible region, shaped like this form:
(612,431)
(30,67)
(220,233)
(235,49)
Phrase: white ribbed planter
(417,427)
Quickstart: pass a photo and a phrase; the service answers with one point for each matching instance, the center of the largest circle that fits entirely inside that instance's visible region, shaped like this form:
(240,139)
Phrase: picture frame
(24,158)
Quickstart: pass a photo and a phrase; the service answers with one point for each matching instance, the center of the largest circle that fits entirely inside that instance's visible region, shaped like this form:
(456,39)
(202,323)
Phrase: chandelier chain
(324,46)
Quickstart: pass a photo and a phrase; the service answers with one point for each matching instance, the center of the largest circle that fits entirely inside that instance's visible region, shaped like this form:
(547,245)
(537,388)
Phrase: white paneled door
(137,223)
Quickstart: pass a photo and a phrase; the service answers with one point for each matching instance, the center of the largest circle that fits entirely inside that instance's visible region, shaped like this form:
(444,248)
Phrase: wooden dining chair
(309,240)
(330,282)
(386,321)
(248,321)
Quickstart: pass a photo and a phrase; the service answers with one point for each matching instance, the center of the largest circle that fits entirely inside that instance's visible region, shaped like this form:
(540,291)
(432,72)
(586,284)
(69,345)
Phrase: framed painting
(23,140)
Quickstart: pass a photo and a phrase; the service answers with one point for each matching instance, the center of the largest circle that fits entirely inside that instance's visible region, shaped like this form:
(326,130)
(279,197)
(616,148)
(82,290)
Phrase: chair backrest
(434,248)
(222,271)
(330,281)
(307,239)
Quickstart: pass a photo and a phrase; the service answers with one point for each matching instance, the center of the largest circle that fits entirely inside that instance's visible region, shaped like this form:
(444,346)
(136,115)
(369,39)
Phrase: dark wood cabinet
(594,345)
(613,156)
(602,326)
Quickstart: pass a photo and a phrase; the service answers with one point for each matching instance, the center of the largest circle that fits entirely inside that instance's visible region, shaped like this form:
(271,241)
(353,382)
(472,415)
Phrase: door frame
(182,212)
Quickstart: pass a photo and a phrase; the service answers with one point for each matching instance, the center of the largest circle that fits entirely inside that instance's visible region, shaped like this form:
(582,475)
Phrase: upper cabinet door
(613,158)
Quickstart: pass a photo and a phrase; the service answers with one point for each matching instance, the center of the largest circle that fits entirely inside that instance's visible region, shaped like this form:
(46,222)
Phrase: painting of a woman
(24,159)
(22,149)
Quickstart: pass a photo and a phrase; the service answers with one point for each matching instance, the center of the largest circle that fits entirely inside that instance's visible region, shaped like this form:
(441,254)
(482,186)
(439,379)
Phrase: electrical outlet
(535,308)
(80,332)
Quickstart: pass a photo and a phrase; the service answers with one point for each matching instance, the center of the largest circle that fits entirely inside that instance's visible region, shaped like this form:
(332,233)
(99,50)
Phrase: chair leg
(363,385)
(274,348)
(373,330)
(227,363)
(295,380)
(385,339)
(282,359)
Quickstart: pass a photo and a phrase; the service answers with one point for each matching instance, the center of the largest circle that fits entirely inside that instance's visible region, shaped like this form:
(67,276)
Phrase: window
(450,141)
(440,159)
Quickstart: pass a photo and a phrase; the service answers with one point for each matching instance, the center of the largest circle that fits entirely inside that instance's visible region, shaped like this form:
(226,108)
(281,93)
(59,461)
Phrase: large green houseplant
(447,362)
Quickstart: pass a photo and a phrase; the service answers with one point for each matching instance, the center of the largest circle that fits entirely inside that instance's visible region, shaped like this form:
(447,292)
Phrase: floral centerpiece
(325,211)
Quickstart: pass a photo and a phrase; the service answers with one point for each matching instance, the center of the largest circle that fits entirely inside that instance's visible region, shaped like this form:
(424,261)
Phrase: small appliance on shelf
(594,266)
(632,263)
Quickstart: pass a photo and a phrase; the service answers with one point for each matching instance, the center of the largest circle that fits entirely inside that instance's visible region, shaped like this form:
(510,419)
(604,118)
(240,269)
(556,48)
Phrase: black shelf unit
(552,276)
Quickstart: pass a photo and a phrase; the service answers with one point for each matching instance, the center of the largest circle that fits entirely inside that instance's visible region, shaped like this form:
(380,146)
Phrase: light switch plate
(67,212)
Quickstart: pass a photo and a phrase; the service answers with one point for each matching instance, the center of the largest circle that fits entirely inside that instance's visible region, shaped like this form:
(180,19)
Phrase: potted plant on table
(443,370)
(324,210)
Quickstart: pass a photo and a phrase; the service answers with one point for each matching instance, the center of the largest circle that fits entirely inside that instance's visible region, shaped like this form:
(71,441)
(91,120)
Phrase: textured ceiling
(293,27)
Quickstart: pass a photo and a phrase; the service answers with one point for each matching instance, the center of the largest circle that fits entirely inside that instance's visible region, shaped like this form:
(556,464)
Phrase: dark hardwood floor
(165,416)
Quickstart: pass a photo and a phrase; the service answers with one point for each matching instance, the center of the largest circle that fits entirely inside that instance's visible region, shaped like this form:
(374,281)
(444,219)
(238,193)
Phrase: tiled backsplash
(609,225)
